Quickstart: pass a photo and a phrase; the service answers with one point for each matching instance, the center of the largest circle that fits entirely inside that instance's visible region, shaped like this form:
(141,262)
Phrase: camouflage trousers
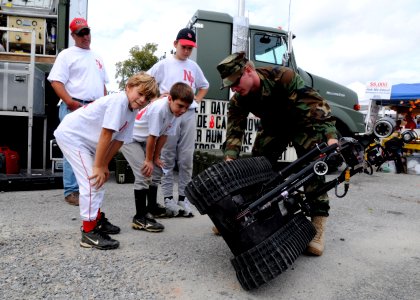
(272,148)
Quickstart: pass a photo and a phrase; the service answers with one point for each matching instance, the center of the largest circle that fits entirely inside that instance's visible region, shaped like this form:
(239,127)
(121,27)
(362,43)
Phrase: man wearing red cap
(77,77)
(180,148)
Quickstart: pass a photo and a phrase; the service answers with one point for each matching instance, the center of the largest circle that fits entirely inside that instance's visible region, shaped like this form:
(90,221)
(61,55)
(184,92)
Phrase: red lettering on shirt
(188,77)
(141,113)
(123,127)
(98,62)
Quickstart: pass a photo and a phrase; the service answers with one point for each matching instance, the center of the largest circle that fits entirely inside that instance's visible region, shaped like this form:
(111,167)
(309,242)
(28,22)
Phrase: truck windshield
(270,49)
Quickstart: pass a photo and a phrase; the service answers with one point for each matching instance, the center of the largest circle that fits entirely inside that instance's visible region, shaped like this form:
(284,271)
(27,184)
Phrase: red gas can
(11,160)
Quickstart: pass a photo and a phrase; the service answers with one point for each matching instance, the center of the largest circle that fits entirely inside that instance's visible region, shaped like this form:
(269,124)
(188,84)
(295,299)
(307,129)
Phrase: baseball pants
(90,199)
(179,148)
(135,153)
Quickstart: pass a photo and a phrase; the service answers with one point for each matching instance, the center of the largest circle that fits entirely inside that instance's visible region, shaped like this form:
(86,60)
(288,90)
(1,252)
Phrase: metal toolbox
(14,88)
(123,171)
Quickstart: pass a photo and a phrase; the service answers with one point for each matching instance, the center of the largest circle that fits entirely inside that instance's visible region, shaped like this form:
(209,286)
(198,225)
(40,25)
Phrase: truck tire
(343,130)
(226,178)
(274,255)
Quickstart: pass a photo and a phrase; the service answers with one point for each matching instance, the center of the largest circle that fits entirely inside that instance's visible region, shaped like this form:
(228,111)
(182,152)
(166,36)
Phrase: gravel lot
(373,251)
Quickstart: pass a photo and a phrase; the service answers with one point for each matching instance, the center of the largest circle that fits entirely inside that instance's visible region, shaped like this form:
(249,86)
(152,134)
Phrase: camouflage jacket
(287,109)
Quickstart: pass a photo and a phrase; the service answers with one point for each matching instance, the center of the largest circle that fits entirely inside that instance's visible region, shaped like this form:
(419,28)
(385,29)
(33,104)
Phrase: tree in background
(140,60)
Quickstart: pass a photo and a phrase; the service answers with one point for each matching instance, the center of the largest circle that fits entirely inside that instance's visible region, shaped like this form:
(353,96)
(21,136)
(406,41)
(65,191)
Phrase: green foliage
(140,60)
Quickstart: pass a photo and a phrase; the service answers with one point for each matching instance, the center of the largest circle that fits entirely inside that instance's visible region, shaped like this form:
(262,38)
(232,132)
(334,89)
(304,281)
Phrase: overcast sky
(348,41)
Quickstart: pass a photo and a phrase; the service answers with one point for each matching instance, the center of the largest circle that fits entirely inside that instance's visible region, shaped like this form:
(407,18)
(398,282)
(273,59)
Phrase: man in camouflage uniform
(289,111)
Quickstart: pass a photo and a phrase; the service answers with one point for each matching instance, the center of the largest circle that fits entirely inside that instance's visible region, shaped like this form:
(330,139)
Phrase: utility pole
(240,29)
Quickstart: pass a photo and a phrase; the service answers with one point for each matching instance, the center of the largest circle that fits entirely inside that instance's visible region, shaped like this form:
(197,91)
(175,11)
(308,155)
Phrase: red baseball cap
(186,37)
(78,24)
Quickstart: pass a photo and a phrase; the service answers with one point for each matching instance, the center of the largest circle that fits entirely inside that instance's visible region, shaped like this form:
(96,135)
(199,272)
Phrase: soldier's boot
(215,230)
(316,246)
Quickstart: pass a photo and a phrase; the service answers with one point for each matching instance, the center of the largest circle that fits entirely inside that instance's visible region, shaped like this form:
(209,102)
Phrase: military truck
(266,46)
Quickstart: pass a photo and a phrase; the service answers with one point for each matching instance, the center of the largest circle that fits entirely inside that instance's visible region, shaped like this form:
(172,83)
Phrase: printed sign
(212,125)
(378,90)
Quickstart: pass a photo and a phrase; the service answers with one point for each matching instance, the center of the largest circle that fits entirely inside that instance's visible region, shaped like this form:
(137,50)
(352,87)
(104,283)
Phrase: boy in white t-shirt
(153,125)
(89,137)
(180,148)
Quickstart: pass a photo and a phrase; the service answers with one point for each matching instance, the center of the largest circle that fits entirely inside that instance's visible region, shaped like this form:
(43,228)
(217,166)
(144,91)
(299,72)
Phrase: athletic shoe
(147,223)
(106,227)
(159,211)
(98,239)
(186,206)
(72,198)
(173,209)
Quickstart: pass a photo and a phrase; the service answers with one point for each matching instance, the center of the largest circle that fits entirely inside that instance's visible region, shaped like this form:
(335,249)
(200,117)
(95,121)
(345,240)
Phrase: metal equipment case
(14,82)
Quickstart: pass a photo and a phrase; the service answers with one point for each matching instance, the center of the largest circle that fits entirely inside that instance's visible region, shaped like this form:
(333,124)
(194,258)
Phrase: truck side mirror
(265,39)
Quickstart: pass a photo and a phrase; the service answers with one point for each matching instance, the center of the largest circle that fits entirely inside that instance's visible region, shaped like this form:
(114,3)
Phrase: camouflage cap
(231,68)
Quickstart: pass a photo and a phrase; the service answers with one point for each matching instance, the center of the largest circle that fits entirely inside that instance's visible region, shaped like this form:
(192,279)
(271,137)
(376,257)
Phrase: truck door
(268,49)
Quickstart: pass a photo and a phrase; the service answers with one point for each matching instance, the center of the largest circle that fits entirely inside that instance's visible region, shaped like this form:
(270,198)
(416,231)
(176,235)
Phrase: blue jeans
(69,180)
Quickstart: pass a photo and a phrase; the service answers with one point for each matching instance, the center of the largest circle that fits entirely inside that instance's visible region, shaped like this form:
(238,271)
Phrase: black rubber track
(226,178)
(271,257)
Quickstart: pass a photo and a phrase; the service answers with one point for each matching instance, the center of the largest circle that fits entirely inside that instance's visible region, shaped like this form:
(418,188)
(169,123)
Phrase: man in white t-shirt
(78,77)
(180,148)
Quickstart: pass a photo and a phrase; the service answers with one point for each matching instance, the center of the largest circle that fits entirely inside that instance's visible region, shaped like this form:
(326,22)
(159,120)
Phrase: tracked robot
(262,214)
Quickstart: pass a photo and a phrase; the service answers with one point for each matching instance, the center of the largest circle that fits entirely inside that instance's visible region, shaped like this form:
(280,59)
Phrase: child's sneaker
(186,206)
(147,223)
(98,239)
(173,209)
(106,227)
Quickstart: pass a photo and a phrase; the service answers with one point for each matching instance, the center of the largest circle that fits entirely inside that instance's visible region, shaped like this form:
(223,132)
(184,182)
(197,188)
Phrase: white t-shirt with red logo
(155,119)
(81,71)
(170,70)
(81,129)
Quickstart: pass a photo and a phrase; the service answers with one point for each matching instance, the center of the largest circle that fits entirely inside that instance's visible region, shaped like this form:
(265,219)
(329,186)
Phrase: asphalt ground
(372,250)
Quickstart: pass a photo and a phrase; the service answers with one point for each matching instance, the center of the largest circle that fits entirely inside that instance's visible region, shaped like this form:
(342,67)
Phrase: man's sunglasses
(237,81)
(83,32)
